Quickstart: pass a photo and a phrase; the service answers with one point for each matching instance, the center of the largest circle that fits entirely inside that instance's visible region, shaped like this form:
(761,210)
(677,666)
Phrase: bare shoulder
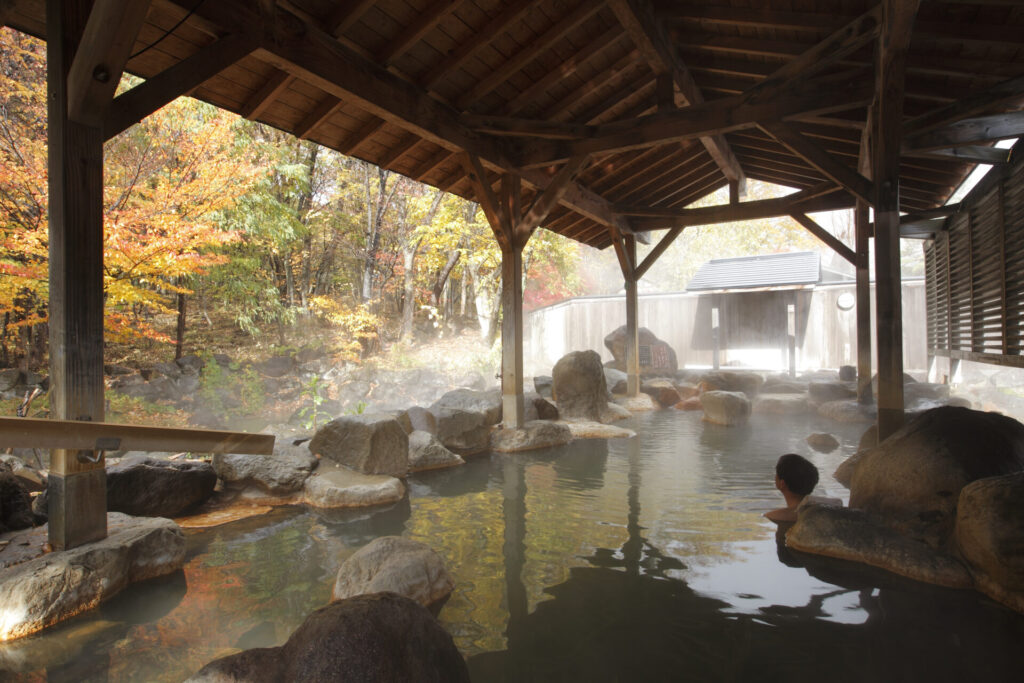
(781,515)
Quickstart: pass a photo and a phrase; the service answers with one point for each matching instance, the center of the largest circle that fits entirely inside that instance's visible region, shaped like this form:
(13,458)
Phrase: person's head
(797,473)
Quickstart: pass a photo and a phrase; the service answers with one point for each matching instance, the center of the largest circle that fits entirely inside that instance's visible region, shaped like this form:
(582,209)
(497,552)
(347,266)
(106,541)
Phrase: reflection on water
(631,560)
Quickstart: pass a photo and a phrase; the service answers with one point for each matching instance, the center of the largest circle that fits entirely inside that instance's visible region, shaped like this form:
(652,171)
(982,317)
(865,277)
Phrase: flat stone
(822,442)
(426,452)
(532,435)
(281,473)
(728,408)
(152,487)
(847,411)
(462,431)
(748,383)
(613,412)
(825,391)
(852,535)
(661,390)
(340,487)
(487,403)
(372,443)
(781,404)
(396,565)
(640,403)
(598,430)
(224,515)
(47,590)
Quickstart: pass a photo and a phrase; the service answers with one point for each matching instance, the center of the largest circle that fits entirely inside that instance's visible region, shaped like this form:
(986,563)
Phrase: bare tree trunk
(442,277)
(409,289)
(179,338)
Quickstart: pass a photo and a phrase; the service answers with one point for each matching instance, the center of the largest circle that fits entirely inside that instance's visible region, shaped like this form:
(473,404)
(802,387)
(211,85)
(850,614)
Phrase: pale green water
(630,560)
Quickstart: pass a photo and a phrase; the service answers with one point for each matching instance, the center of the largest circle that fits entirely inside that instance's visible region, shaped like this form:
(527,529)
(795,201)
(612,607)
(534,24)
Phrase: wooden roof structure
(644,105)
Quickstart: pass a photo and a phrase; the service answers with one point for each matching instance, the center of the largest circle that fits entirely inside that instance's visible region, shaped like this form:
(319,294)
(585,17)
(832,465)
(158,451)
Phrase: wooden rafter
(664,243)
(320,113)
(972,153)
(267,93)
(426,21)
(813,154)
(549,198)
(968,131)
(132,106)
(972,104)
(346,14)
(825,236)
(102,53)
(637,17)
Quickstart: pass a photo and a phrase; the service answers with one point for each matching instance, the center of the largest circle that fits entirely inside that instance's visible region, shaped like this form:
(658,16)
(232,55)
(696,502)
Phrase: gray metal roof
(770,270)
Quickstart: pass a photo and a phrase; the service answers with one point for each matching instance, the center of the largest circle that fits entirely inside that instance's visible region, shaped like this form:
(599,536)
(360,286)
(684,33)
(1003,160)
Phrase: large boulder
(426,452)
(379,637)
(276,366)
(149,487)
(531,436)
(463,431)
(395,565)
(617,381)
(990,536)
(486,402)
(542,385)
(368,443)
(848,411)
(334,486)
(579,387)
(823,391)
(279,474)
(417,418)
(15,504)
(912,480)
(822,442)
(49,589)
(536,407)
(731,380)
(728,408)
(657,358)
(31,478)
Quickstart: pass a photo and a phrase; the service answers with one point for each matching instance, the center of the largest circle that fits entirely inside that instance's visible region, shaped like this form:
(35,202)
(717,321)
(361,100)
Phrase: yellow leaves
(357,326)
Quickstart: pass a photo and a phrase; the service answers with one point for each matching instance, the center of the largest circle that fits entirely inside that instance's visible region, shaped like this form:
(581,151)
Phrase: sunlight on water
(640,559)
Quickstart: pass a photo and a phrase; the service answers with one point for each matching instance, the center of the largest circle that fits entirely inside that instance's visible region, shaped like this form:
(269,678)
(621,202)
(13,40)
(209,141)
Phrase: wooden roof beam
(974,154)
(825,236)
(104,48)
(346,14)
(718,116)
(972,104)
(320,113)
(133,105)
(814,155)
(637,17)
(268,92)
(544,202)
(968,131)
(507,125)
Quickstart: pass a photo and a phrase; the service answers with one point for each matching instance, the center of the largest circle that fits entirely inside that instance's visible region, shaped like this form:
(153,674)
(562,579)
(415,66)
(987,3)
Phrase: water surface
(644,559)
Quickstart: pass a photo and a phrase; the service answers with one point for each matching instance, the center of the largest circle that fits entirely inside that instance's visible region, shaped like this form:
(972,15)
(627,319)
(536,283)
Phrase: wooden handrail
(23,432)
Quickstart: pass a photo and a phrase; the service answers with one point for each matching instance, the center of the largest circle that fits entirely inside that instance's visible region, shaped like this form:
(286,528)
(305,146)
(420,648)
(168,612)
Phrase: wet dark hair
(800,475)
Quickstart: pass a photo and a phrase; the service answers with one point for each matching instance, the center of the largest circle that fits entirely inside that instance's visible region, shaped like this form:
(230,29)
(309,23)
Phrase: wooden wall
(975,273)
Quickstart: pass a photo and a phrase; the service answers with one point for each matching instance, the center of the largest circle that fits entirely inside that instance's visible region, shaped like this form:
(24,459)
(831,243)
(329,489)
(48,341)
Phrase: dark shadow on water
(358,526)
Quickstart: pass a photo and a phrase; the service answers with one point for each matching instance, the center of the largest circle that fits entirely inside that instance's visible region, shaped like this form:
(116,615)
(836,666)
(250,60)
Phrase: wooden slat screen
(975,273)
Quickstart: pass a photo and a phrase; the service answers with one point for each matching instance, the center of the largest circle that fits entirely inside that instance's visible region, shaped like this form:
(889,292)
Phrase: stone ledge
(46,590)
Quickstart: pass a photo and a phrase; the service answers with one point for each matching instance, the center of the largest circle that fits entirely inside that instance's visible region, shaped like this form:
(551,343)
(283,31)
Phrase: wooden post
(512,336)
(863,257)
(78,485)
(632,322)
(897,22)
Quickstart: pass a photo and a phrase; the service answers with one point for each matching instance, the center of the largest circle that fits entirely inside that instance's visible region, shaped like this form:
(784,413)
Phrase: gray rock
(542,384)
(847,373)
(531,436)
(825,391)
(276,366)
(661,390)
(822,442)
(616,380)
(462,431)
(369,443)
(781,404)
(783,386)
(579,387)
(171,370)
(282,473)
(333,486)
(989,529)
(417,418)
(847,411)
(662,356)
(858,537)
(395,565)
(190,364)
(15,504)
(113,370)
(31,478)
(487,403)
(10,378)
(748,383)
(912,480)
(727,408)
(427,453)
(49,589)
(147,487)
(380,637)
(536,407)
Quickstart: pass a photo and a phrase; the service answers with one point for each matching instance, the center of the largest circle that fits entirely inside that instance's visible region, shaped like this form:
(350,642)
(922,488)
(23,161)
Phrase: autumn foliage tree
(166,182)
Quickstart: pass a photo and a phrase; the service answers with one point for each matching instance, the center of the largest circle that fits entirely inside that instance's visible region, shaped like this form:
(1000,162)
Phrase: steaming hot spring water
(643,559)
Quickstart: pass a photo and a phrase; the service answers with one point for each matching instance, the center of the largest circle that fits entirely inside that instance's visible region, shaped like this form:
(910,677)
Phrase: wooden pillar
(862,265)
(632,322)
(512,335)
(897,22)
(77,491)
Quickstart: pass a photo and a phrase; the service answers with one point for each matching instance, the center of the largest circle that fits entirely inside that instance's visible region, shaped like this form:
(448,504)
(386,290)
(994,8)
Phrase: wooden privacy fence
(975,272)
